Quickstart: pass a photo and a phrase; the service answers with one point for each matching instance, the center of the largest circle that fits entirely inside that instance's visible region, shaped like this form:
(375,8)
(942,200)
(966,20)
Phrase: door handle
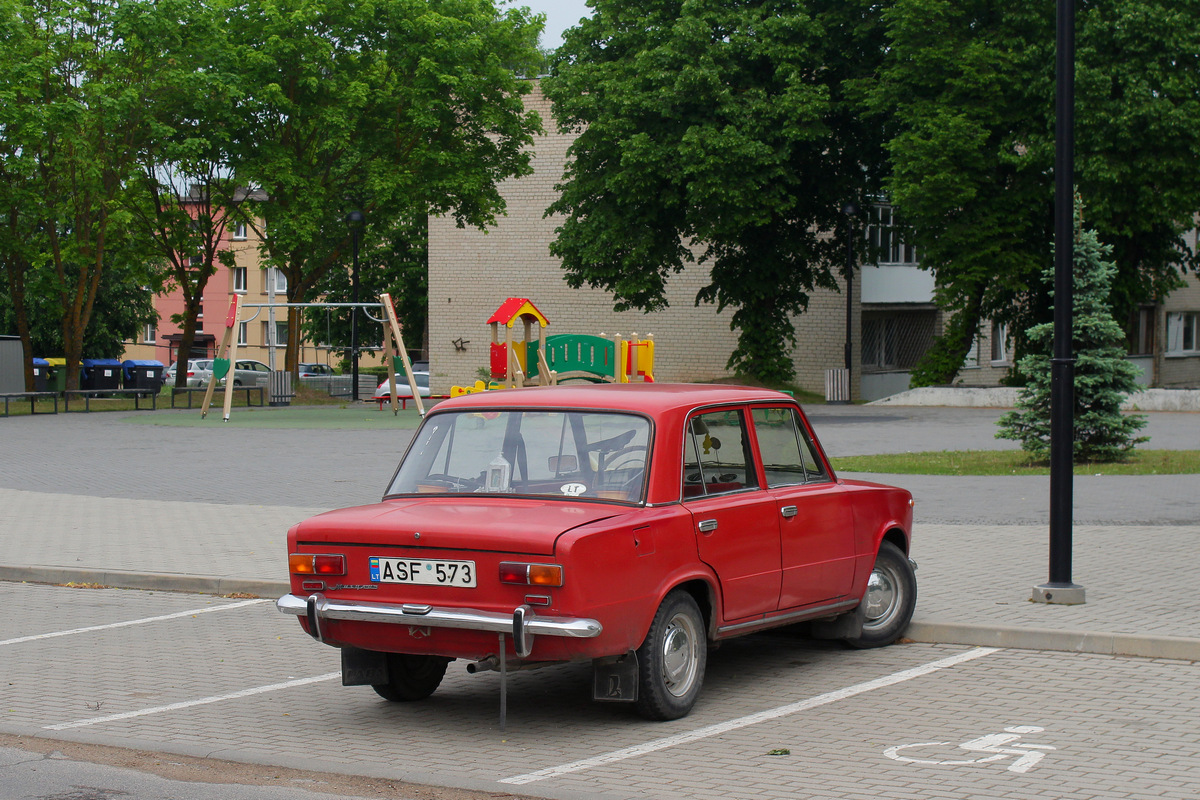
(789,511)
(707,525)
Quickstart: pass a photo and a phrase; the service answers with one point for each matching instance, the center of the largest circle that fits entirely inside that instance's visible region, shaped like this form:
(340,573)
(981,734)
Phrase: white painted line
(752,719)
(83,723)
(142,621)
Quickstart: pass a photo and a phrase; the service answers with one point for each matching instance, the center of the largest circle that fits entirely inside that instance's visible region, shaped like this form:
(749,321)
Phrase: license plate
(422,571)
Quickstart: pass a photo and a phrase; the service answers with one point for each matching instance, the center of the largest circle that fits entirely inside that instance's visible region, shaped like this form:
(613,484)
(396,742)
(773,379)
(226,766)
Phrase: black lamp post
(1060,588)
(851,211)
(354,219)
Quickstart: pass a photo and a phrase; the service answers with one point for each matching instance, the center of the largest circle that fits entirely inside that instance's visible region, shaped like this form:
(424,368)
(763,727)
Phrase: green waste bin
(56,374)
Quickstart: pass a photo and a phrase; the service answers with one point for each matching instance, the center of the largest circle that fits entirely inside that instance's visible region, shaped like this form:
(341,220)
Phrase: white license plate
(422,571)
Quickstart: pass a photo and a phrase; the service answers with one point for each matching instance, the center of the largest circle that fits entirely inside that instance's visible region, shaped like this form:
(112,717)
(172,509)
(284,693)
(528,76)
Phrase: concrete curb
(1021,638)
(920,630)
(155,581)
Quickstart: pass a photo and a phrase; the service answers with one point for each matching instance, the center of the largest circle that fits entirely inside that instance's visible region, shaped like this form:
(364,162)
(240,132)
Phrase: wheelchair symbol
(990,748)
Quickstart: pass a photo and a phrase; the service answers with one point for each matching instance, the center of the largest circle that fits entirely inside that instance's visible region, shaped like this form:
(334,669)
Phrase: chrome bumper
(522,624)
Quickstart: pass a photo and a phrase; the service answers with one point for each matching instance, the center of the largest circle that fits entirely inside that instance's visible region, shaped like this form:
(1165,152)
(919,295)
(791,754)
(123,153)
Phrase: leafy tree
(185,197)
(400,267)
(967,95)
(75,80)
(395,108)
(1103,377)
(721,133)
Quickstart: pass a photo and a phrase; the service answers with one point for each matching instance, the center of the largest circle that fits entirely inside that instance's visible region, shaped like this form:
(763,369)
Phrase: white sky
(560,15)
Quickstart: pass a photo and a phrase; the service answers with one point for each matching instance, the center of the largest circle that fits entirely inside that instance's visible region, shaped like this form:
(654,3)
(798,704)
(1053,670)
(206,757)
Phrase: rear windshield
(591,454)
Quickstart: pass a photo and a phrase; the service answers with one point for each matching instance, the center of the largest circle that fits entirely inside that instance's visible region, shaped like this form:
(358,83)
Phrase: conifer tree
(1103,377)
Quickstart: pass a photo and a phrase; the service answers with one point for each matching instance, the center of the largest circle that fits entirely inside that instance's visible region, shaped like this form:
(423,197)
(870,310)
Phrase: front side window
(239,280)
(716,455)
(587,454)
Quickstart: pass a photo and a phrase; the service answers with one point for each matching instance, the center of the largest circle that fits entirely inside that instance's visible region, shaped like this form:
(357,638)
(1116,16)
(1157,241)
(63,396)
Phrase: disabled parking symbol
(990,748)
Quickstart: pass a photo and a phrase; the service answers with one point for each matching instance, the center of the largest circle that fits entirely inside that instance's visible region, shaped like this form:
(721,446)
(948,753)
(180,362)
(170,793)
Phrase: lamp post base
(1063,594)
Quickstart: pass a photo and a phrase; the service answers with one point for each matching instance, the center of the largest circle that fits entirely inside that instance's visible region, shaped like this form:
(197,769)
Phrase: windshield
(548,453)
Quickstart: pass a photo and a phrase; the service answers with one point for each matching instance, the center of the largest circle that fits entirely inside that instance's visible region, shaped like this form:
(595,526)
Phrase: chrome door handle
(707,525)
(789,511)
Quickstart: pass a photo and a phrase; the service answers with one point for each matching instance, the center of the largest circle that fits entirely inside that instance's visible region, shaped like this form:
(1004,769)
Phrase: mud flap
(363,667)
(843,626)
(615,680)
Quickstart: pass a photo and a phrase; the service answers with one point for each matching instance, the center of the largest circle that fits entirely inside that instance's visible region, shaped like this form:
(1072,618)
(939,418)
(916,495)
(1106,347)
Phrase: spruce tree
(1103,377)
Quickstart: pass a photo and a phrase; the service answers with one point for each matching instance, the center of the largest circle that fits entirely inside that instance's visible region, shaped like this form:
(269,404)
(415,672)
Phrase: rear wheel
(411,677)
(672,659)
(891,597)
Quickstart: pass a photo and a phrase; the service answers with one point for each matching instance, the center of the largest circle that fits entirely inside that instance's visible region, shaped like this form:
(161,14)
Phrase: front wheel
(672,659)
(890,599)
(411,677)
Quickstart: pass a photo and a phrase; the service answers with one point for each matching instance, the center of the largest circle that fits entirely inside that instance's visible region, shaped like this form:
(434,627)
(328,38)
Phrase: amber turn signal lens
(306,564)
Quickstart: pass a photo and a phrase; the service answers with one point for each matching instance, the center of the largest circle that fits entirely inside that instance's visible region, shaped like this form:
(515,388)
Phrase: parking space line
(751,719)
(83,723)
(127,623)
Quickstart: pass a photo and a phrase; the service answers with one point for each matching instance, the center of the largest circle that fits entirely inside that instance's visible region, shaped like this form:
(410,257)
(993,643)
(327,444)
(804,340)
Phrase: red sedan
(629,525)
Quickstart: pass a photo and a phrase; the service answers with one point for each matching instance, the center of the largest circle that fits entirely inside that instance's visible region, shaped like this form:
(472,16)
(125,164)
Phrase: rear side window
(789,455)
(716,457)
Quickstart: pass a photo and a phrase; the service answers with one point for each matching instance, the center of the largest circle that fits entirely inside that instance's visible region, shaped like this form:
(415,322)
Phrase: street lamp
(355,220)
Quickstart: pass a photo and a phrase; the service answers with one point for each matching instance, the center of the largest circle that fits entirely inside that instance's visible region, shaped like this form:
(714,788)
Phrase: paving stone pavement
(92,497)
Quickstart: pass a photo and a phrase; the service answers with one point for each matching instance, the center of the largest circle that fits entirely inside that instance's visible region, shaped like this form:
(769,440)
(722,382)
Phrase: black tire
(672,659)
(891,597)
(411,677)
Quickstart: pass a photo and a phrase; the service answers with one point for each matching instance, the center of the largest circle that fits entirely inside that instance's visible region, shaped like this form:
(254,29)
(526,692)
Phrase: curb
(155,581)
(1021,638)
(923,631)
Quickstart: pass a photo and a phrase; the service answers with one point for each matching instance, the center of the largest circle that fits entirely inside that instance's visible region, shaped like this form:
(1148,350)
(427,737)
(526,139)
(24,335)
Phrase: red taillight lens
(306,564)
(531,574)
(191,374)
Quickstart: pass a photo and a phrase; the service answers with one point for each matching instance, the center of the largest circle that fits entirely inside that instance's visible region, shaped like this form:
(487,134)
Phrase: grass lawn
(1015,462)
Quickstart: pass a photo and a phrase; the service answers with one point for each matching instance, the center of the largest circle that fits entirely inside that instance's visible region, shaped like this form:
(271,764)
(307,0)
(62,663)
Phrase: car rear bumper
(522,624)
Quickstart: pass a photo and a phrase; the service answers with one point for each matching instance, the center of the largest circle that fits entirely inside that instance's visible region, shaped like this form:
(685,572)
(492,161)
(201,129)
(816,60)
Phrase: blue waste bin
(41,372)
(101,373)
(142,374)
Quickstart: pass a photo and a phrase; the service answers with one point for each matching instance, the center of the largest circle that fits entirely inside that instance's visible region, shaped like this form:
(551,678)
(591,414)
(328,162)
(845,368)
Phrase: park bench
(191,390)
(32,397)
(89,394)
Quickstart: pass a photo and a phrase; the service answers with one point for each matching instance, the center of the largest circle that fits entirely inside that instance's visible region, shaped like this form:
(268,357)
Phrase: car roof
(648,398)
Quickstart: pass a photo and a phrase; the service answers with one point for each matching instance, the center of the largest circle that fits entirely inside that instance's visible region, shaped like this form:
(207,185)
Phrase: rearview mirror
(559,464)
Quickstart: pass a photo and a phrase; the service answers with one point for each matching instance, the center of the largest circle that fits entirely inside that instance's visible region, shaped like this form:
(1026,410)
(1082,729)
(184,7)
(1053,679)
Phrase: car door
(813,512)
(733,518)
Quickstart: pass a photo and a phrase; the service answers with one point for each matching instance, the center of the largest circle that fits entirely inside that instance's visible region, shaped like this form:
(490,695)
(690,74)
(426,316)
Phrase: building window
(280,279)
(239,280)
(895,340)
(999,343)
(149,334)
(1139,334)
(885,234)
(243,333)
(281,333)
(239,232)
(1182,338)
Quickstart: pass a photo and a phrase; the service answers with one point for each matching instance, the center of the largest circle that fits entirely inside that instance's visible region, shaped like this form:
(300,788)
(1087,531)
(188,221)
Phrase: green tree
(396,108)
(719,128)
(398,266)
(185,199)
(1103,377)
(76,79)
(967,96)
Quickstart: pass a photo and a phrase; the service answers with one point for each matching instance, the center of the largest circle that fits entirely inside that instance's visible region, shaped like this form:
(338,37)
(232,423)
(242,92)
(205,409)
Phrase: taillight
(191,374)
(531,574)
(306,564)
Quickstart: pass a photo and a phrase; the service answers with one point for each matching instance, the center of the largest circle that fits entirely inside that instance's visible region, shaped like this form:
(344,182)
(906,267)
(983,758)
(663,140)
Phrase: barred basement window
(895,340)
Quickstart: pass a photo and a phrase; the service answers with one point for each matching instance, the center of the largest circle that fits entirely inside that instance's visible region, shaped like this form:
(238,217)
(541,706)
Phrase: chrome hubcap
(679,655)
(882,597)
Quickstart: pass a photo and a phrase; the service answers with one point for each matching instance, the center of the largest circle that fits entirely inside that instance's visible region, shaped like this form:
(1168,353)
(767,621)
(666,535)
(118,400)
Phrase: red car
(629,525)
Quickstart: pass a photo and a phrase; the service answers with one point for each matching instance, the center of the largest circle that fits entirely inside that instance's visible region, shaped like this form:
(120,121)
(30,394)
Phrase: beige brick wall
(472,272)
